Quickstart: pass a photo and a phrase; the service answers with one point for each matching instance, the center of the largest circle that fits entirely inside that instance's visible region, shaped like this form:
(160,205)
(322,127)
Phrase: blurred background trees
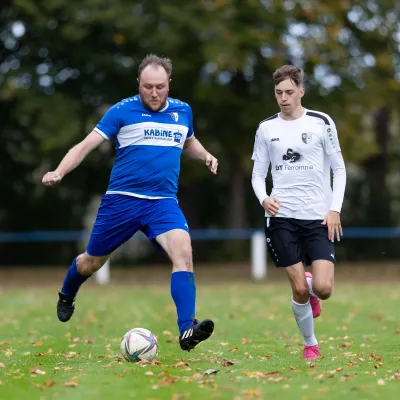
(64,63)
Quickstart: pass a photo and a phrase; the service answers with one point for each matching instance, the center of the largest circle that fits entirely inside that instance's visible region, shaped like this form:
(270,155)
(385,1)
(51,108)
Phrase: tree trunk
(377,169)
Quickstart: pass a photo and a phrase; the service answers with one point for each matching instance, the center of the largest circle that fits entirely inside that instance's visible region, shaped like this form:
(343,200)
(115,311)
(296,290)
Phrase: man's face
(153,87)
(288,96)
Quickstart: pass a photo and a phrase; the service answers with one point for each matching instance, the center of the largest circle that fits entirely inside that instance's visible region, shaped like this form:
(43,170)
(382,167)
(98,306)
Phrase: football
(139,344)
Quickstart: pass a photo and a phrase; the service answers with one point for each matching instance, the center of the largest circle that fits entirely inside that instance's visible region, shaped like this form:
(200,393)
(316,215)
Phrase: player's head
(289,90)
(153,77)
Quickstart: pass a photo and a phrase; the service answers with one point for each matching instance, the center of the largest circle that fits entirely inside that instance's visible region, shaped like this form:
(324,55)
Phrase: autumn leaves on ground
(255,352)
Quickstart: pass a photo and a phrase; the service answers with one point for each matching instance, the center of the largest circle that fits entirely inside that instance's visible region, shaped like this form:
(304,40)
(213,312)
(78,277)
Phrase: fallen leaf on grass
(71,384)
(227,363)
(181,364)
(251,392)
(168,381)
(49,383)
(149,373)
(36,385)
(2,365)
(346,377)
(179,396)
(259,374)
(36,370)
(90,341)
(234,350)
(246,341)
(145,363)
(381,382)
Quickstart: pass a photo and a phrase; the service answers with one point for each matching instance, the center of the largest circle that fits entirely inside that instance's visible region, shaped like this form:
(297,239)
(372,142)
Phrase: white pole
(103,274)
(258,256)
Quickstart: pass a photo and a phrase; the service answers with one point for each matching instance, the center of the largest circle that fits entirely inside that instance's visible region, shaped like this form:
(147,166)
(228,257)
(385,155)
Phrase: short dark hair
(154,60)
(296,75)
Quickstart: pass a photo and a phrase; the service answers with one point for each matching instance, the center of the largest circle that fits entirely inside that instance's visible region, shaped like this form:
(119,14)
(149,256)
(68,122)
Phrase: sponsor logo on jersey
(177,137)
(157,133)
(306,137)
(146,115)
(175,116)
(291,156)
(275,139)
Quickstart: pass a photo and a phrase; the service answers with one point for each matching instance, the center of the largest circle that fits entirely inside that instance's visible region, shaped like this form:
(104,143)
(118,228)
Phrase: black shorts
(290,241)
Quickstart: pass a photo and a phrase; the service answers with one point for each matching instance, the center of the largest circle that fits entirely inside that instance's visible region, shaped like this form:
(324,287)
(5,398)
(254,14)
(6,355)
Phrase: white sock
(305,322)
(309,282)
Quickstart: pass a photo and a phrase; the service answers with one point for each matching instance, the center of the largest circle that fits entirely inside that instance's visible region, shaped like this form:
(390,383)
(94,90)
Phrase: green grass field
(256,347)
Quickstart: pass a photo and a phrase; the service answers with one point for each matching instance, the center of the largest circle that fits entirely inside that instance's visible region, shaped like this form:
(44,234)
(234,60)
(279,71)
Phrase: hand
(271,206)
(51,178)
(212,163)
(332,219)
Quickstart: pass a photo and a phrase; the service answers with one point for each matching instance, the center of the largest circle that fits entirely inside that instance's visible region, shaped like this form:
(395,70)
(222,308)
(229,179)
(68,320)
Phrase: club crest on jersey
(175,116)
(177,136)
(306,137)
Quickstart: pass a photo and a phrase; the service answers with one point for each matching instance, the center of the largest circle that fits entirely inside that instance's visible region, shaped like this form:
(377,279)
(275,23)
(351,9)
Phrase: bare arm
(73,158)
(195,150)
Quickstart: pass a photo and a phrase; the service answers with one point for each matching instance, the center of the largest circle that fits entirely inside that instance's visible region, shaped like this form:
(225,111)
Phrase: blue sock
(73,280)
(183,291)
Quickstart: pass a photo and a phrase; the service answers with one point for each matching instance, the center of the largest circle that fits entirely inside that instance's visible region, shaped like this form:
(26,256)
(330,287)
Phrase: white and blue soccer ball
(139,344)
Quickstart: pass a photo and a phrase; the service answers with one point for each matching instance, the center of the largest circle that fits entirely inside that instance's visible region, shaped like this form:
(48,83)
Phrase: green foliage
(76,58)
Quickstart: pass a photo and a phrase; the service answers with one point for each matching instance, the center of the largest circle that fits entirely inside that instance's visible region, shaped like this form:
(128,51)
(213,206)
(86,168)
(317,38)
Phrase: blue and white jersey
(148,146)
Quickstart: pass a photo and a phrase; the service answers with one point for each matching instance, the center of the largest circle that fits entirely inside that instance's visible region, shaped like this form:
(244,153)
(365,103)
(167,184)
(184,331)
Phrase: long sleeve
(339,180)
(260,171)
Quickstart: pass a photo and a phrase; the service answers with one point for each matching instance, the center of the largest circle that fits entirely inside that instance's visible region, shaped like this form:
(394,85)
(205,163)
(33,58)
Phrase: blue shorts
(121,216)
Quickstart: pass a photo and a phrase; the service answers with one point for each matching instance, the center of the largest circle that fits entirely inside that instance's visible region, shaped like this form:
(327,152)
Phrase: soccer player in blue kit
(151,131)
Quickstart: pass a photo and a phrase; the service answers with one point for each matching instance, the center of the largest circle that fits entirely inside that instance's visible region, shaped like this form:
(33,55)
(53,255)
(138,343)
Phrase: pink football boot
(311,352)
(314,301)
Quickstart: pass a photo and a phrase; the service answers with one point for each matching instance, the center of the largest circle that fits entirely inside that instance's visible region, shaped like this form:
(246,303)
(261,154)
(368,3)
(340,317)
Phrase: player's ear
(302,91)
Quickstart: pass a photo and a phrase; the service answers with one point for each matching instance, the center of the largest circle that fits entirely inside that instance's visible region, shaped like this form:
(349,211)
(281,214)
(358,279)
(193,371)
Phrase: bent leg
(322,278)
(301,303)
(80,270)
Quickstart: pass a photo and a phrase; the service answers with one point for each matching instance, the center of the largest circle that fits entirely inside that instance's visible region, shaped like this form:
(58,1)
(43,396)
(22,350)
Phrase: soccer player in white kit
(302,212)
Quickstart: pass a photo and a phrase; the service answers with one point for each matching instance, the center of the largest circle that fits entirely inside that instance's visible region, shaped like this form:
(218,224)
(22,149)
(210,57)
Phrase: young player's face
(153,87)
(288,96)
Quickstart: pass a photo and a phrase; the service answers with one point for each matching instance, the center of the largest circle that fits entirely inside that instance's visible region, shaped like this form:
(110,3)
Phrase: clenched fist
(51,178)
(212,163)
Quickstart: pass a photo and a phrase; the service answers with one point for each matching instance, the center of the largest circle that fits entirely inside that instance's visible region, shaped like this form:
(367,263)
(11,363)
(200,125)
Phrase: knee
(323,291)
(182,260)
(88,265)
(301,293)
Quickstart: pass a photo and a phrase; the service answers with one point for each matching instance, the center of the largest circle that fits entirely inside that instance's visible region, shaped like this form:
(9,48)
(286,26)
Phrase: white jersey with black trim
(298,151)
